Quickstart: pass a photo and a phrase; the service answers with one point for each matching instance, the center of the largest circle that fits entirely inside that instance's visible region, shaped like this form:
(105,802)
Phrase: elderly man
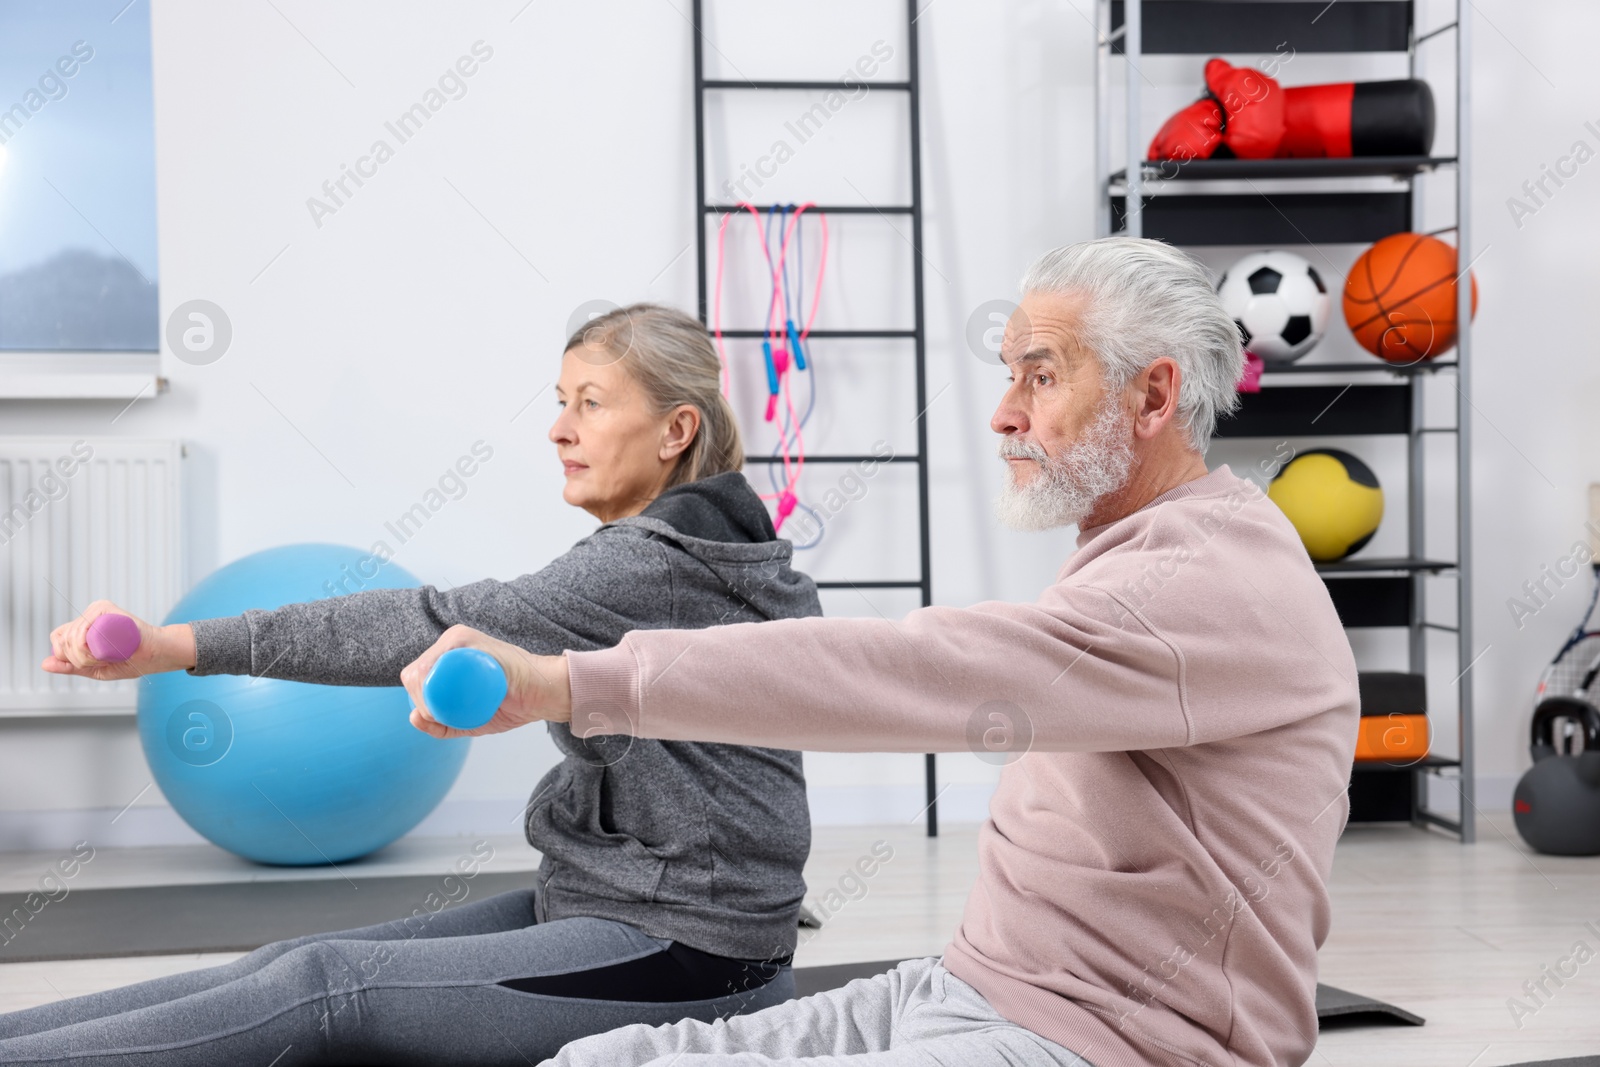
(1181,705)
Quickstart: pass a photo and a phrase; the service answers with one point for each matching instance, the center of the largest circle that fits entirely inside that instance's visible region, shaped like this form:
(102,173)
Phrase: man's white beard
(1067,487)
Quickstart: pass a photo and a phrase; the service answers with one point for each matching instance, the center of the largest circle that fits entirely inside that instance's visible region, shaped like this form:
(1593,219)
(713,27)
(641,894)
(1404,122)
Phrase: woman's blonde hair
(671,356)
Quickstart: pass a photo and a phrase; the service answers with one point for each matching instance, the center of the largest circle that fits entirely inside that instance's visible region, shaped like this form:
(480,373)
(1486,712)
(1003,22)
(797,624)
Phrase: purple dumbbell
(113,638)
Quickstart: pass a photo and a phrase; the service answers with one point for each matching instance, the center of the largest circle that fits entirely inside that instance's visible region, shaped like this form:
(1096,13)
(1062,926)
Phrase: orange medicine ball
(1400,298)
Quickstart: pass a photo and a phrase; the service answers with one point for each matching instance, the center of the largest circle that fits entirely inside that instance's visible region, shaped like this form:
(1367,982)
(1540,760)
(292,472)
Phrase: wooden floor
(1451,933)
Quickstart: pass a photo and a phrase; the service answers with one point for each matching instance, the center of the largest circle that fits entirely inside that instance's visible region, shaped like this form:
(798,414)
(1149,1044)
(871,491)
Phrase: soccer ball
(1278,302)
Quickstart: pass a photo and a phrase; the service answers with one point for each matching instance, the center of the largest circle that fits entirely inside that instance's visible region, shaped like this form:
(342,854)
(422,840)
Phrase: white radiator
(81,519)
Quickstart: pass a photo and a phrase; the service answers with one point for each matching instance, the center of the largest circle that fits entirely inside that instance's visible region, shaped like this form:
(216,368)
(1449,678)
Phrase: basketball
(1400,298)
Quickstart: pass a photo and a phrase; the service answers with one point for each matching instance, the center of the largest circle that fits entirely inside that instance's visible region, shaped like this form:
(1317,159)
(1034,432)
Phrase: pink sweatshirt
(1152,879)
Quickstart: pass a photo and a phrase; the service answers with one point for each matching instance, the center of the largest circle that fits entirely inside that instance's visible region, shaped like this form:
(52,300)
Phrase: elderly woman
(670,880)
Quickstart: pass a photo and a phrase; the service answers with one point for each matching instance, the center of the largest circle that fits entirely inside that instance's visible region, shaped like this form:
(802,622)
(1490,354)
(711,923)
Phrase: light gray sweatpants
(917,1015)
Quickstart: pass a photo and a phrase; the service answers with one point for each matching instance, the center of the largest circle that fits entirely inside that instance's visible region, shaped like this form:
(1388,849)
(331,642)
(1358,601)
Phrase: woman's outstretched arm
(606,585)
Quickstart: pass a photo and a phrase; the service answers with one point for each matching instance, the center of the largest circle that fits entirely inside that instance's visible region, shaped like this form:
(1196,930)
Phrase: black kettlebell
(1557,803)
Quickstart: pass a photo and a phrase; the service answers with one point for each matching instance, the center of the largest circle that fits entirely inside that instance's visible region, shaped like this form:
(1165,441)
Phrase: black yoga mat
(240,916)
(1335,1007)
(228,917)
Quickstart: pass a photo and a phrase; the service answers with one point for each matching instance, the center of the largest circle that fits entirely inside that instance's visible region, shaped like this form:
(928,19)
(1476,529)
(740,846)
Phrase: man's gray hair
(1145,299)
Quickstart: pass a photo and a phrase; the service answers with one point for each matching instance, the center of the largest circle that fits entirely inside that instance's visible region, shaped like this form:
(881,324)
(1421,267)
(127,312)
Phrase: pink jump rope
(783,346)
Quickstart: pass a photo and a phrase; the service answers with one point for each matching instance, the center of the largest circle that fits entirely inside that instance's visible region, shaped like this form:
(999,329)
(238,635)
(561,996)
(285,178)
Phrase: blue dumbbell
(465,688)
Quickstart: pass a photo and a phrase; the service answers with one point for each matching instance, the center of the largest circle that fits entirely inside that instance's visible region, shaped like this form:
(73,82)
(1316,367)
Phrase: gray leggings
(917,1015)
(381,994)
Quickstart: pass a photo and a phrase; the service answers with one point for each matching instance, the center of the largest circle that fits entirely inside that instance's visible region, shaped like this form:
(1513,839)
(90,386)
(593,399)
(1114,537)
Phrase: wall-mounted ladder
(916,335)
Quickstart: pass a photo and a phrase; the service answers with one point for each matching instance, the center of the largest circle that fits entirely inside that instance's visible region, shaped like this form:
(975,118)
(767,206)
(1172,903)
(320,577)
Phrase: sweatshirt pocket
(619,859)
(624,868)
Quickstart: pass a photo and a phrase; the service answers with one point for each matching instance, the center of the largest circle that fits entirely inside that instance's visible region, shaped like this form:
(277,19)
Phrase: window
(77,180)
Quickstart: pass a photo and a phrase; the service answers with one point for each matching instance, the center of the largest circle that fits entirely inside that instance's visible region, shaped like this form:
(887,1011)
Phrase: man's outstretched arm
(1071,672)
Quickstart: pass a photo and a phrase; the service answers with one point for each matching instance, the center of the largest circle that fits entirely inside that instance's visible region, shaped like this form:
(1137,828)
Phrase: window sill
(80,375)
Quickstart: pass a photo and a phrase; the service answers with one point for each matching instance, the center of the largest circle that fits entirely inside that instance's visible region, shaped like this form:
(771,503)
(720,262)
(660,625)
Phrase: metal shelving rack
(706,210)
(1137,199)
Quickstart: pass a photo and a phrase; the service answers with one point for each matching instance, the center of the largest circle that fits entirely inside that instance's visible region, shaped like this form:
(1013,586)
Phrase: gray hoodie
(699,843)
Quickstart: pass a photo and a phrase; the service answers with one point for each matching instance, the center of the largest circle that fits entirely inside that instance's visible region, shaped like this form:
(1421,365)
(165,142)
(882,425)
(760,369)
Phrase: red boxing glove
(1192,133)
(1252,106)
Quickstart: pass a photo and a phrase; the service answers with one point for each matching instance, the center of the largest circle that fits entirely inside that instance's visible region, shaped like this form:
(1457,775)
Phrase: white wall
(373,350)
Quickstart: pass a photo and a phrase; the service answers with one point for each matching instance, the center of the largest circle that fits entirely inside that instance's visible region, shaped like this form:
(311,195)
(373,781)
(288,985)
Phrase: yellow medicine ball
(1332,498)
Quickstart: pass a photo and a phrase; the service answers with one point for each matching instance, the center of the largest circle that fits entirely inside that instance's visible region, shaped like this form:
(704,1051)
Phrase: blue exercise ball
(288,772)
